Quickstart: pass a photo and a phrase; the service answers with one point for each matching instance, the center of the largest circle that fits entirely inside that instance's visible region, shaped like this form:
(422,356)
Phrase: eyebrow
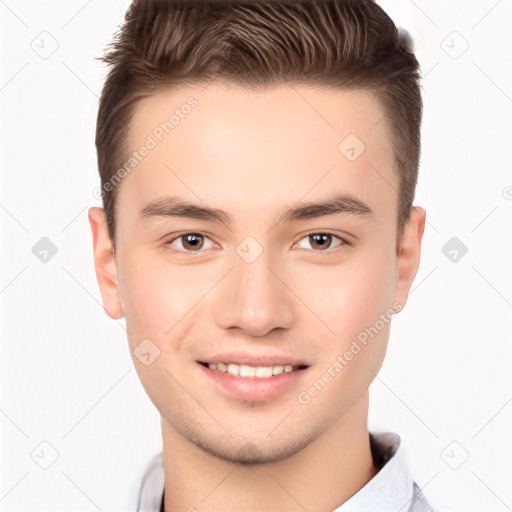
(171,206)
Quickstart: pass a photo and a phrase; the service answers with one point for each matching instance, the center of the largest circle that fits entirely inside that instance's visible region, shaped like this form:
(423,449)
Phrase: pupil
(190,240)
(320,238)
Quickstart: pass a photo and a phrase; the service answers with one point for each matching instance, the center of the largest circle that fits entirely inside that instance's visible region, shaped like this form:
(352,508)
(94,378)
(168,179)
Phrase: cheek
(354,298)
(350,298)
(162,301)
(154,299)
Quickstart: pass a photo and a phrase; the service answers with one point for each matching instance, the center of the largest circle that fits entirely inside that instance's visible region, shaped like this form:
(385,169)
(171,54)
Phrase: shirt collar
(391,489)
(388,491)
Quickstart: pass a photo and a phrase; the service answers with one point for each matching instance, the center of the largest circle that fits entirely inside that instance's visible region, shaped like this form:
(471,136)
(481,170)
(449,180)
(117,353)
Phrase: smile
(244,370)
(254,382)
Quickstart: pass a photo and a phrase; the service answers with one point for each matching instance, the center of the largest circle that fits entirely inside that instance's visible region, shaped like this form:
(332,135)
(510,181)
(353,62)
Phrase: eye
(195,242)
(190,242)
(323,241)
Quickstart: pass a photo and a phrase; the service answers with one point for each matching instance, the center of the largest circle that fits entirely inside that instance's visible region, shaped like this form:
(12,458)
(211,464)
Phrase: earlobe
(104,263)
(409,252)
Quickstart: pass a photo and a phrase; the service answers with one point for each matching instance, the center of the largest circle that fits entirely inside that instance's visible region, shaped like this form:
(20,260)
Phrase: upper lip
(264,359)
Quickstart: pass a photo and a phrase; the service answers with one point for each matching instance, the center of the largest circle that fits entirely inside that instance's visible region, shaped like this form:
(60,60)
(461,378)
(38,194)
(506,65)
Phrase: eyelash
(343,241)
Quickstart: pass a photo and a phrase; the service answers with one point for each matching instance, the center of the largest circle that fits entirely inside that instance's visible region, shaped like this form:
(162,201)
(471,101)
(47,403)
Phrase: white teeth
(264,371)
(233,369)
(245,370)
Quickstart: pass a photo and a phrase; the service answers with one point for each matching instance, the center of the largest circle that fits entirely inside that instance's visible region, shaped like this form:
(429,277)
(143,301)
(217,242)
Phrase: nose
(254,298)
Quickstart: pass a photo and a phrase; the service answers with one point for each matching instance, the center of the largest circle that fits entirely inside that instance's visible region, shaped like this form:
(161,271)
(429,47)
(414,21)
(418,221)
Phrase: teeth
(245,370)
(233,369)
(265,371)
(248,371)
(277,370)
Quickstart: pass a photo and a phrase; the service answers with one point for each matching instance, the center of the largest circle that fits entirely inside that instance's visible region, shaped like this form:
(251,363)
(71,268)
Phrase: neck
(320,477)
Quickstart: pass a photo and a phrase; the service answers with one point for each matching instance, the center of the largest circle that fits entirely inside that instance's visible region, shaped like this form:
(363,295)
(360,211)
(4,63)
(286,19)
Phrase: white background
(67,377)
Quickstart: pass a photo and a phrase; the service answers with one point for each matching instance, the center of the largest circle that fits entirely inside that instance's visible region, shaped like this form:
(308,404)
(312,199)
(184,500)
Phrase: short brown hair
(350,44)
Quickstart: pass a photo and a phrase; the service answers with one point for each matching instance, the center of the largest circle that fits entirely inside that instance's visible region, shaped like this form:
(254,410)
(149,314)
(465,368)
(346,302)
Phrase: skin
(252,154)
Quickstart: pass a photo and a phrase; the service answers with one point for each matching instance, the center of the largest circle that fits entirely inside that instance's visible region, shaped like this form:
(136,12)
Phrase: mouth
(258,382)
(250,371)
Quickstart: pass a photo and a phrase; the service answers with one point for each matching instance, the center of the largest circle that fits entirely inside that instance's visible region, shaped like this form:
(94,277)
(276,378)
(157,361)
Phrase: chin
(251,453)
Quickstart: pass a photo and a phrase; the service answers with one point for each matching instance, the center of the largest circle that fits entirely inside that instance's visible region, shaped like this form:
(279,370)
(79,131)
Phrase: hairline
(232,83)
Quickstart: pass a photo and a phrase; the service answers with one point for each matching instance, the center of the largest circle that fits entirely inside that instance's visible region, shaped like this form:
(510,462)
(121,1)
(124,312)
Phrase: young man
(258,163)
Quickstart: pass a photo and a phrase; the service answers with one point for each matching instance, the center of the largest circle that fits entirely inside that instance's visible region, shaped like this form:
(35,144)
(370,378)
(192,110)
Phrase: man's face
(262,289)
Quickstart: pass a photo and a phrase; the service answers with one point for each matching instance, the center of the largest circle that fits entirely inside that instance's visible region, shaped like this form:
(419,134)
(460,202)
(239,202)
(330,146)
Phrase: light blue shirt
(392,489)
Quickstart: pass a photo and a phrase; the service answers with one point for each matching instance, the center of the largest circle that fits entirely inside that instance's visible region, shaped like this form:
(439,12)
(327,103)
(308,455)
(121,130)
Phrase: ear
(408,256)
(105,263)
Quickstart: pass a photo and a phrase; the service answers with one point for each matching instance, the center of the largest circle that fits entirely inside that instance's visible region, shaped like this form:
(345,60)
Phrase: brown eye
(322,241)
(190,243)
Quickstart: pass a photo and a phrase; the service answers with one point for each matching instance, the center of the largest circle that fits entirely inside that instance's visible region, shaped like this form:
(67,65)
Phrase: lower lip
(254,389)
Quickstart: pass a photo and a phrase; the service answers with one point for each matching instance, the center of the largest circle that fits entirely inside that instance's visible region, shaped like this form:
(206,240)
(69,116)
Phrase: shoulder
(146,492)
(420,503)
(395,480)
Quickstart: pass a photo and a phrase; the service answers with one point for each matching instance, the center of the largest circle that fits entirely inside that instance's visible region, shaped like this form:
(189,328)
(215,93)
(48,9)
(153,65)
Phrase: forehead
(221,143)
